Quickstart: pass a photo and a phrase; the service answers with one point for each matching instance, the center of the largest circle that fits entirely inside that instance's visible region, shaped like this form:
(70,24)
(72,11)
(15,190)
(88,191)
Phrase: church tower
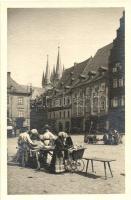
(46,77)
(58,66)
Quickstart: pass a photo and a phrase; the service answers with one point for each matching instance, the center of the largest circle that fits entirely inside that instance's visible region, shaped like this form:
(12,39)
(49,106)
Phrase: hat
(62,134)
(34,131)
(46,126)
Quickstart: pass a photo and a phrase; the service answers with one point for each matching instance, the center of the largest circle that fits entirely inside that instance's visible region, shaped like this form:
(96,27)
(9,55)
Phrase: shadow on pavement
(94,176)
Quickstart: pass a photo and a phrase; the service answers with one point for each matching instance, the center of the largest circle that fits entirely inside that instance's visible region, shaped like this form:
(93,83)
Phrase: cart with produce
(75,161)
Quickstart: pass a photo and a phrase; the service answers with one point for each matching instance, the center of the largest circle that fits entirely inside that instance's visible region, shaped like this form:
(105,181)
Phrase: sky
(32,33)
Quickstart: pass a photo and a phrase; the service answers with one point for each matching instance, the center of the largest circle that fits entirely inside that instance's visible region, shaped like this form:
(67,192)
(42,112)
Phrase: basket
(77,154)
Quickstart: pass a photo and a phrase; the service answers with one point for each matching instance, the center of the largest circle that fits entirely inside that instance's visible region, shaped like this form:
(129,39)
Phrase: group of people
(113,137)
(31,143)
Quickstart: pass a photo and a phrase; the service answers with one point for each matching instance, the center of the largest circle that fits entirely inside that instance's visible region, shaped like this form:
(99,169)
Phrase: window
(122,101)
(102,88)
(121,82)
(8,101)
(68,113)
(60,115)
(114,69)
(64,114)
(63,101)
(95,104)
(20,100)
(114,102)
(60,102)
(20,113)
(68,101)
(118,66)
(102,103)
(114,83)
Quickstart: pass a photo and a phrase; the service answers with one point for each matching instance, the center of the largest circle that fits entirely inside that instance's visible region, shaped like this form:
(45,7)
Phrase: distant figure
(116,137)
(105,138)
(110,137)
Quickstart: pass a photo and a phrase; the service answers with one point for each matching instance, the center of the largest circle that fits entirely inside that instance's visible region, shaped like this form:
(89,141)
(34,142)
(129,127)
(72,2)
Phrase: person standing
(57,162)
(47,137)
(24,141)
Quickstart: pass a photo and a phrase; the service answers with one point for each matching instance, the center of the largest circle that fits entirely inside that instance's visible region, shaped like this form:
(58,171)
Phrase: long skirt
(57,163)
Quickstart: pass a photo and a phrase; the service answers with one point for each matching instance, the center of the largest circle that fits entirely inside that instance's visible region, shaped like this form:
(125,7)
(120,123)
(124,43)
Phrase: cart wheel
(73,166)
(80,165)
(68,166)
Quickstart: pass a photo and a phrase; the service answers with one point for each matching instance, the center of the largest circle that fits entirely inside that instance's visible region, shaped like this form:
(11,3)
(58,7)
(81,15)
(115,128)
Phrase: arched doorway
(67,126)
(60,126)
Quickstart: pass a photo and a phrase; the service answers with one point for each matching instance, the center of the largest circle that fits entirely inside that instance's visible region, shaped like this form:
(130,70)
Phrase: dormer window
(91,74)
(82,77)
(102,70)
(67,87)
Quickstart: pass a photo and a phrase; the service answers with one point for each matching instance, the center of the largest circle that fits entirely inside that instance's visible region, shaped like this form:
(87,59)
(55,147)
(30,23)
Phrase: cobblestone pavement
(29,181)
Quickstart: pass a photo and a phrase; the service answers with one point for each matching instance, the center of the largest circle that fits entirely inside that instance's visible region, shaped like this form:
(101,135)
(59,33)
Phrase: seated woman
(57,162)
(34,151)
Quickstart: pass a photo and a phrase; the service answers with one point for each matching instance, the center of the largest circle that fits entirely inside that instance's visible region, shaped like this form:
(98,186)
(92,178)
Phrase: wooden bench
(104,160)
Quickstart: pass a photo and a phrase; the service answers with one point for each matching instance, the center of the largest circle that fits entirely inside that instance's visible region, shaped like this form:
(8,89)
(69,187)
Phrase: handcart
(75,162)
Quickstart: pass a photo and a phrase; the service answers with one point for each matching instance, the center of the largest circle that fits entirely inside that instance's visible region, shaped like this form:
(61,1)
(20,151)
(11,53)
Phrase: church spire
(58,65)
(47,73)
(43,80)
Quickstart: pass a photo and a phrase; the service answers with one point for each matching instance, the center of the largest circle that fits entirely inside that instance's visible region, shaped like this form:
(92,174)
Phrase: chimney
(75,63)
(8,73)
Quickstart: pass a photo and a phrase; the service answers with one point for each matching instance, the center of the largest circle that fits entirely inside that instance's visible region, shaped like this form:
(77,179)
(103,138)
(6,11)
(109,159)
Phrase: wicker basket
(77,154)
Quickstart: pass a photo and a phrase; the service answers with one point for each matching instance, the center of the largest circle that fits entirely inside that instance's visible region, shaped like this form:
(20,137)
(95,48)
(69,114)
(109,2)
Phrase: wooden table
(106,162)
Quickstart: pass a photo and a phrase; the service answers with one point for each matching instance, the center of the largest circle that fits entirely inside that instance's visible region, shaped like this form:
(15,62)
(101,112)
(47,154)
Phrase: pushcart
(75,162)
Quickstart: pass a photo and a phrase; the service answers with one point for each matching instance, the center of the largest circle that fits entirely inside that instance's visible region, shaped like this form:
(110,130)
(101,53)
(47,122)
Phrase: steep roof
(71,75)
(14,87)
(100,59)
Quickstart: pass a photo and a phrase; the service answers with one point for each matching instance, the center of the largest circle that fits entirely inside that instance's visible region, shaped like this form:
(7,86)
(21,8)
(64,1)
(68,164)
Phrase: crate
(78,153)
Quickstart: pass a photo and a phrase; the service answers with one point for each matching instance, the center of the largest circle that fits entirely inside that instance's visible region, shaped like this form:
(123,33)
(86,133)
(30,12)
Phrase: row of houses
(91,93)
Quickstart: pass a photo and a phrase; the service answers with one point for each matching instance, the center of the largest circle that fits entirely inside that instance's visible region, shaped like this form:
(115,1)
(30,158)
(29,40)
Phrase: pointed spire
(43,80)
(58,65)
(47,73)
(54,70)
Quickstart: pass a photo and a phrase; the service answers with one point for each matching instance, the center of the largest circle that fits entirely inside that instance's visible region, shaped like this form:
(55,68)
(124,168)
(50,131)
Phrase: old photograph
(66,100)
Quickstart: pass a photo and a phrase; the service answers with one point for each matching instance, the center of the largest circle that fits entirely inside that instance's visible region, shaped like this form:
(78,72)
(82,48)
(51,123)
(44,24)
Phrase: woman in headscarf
(57,162)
